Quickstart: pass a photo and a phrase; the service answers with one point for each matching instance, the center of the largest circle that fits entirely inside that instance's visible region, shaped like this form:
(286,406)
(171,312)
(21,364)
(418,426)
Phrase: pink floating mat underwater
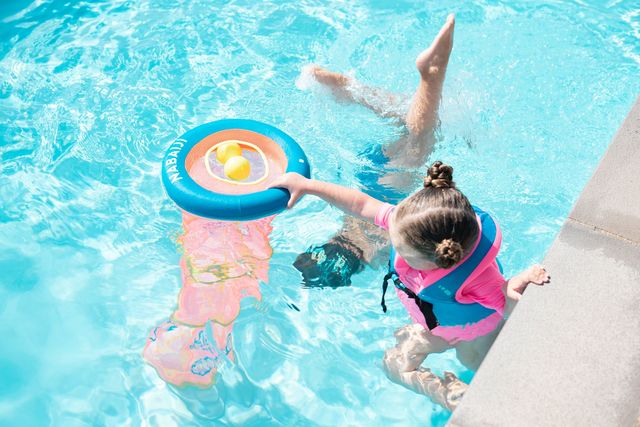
(223,261)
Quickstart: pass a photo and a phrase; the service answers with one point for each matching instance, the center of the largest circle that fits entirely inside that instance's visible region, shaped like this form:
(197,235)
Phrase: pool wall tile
(570,353)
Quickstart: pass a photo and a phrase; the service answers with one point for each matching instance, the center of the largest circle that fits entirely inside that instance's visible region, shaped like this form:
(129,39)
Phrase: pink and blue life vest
(436,300)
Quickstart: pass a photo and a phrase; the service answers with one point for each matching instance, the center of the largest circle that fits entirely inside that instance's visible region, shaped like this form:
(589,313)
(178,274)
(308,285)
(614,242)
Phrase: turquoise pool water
(91,94)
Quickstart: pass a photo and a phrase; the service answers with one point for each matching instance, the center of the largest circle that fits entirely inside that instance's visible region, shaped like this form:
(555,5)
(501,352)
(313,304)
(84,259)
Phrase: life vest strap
(425,307)
(385,285)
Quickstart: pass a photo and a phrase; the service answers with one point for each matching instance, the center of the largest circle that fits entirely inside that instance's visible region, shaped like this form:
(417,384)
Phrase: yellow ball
(237,168)
(228,150)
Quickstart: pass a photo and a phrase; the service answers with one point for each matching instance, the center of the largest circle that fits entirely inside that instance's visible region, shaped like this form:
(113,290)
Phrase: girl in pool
(436,234)
(443,259)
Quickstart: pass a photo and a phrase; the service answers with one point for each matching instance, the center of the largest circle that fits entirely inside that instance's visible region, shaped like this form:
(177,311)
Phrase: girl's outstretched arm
(349,200)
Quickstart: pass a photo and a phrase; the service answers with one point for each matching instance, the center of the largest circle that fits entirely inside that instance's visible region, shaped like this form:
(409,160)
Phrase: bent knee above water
(393,363)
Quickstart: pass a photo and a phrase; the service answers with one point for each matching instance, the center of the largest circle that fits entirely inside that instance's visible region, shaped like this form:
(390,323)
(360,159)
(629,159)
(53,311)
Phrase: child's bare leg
(402,365)
(472,353)
(413,344)
(421,120)
(345,88)
(432,65)
(422,117)
(446,392)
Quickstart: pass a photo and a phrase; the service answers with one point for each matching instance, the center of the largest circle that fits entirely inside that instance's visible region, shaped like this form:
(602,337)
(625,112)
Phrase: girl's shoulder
(383,214)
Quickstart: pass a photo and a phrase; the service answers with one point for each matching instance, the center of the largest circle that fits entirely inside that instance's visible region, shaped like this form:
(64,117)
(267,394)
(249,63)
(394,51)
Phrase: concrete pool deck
(570,353)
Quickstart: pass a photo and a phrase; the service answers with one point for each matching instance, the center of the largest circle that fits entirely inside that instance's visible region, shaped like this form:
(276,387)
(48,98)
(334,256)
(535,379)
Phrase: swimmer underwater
(443,264)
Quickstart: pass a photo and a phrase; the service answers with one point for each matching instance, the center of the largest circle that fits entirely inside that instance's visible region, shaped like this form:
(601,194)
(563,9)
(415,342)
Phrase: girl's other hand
(536,274)
(296,184)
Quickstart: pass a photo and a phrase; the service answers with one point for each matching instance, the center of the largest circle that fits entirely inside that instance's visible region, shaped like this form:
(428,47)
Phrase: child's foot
(434,60)
(329,265)
(335,81)
(327,77)
(455,390)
